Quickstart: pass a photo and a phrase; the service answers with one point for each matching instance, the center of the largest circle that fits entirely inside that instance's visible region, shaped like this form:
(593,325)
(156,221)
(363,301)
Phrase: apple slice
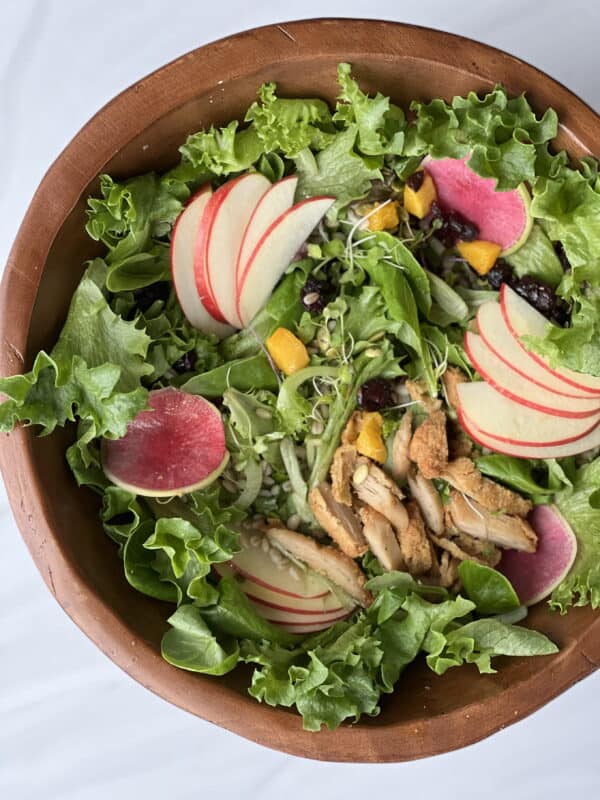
(496,334)
(588,442)
(274,202)
(183,243)
(219,238)
(519,388)
(297,599)
(274,252)
(506,421)
(524,320)
(293,624)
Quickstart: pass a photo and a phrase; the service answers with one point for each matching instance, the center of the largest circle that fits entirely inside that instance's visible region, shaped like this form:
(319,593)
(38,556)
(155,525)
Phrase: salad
(336,382)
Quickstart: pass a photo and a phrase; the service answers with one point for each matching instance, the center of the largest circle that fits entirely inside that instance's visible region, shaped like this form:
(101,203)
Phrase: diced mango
(370,442)
(287,351)
(418,203)
(480,255)
(385,218)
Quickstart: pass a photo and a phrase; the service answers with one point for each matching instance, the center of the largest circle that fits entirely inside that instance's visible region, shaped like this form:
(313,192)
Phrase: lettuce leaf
(289,125)
(380,123)
(580,505)
(501,136)
(131,219)
(578,346)
(223,151)
(337,170)
(570,209)
(339,674)
(537,258)
(94,371)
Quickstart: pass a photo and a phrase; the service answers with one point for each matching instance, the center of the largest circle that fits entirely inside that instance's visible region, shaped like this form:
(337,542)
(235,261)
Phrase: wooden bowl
(139,131)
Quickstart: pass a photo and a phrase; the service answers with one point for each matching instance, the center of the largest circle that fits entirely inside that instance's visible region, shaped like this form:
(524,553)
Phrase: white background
(72,726)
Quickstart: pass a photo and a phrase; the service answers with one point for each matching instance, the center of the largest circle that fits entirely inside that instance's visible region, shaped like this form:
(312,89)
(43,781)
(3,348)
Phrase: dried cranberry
(375,394)
(543,298)
(315,295)
(435,212)
(148,295)
(562,256)
(561,313)
(186,363)
(415,181)
(500,273)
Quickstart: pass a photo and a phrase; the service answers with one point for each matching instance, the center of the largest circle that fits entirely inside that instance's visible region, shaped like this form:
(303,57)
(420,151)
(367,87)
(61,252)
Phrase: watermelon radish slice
(535,575)
(502,217)
(176,447)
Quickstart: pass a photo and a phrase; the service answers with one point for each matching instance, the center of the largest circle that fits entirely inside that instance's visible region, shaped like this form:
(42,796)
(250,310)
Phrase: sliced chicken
(428,500)
(415,545)
(381,538)
(466,548)
(342,467)
(448,570)
(417,391)
(375,489)
(339,521)
(464,476)
(327,561)
(429,445)
(400,445)
(459,443)
(506,531)
(451,379)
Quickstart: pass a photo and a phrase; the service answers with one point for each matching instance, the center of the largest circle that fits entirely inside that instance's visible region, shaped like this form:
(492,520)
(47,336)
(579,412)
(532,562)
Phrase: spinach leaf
(138,564)
(191,645)
(491,592)
(252,372)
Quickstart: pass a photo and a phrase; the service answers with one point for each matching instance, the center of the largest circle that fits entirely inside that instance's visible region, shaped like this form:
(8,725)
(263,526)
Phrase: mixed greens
(370,306)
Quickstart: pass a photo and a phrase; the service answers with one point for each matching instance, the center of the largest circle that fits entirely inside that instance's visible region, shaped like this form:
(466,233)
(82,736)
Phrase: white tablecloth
(72,725)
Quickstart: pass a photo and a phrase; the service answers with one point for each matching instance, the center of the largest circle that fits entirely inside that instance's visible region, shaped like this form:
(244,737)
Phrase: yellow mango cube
(287,351)
(370,442)
(480,255)
(385,218)
(418,203)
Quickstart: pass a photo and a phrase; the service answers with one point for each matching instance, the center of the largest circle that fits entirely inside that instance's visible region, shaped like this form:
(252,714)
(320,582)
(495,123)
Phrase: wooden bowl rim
(81,161)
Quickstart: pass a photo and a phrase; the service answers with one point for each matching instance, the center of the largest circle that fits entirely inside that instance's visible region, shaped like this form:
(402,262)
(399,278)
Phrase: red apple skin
(309,627)
(209,324)
(518,450)
(203,283)
(535,356)
(241,265)
(568,391)
(294,609)
(468,341)
(277,589)
(574,435)
(249,265)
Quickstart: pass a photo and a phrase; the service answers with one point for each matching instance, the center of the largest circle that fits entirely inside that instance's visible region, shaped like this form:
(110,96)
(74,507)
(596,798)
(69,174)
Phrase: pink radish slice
(501,217)
(535,575)
(174,448)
